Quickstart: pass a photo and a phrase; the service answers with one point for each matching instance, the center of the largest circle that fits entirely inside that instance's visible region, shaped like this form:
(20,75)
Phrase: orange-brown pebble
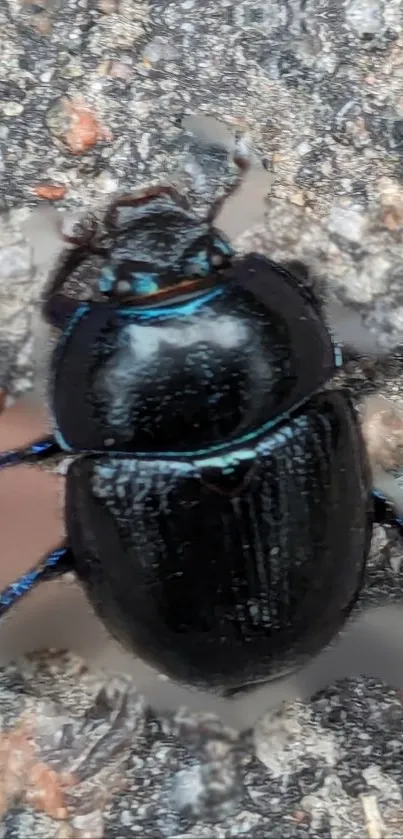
(24,778)
(51,192)
(120,70)
(300,816)
(45,791)
(74,123)
(392,218)
(391,198)
(16,759)
(84,131)
(382,425)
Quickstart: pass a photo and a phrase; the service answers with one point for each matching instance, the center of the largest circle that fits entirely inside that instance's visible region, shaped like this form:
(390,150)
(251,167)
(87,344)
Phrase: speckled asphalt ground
(328,768)
(91,96)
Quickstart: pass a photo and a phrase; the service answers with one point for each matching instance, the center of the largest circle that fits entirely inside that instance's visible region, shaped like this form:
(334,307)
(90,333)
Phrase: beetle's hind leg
(36,452)
(385,512)
(54,564)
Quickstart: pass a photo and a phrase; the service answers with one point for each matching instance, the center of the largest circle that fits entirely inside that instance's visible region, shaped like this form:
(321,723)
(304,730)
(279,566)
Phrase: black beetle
(219,509)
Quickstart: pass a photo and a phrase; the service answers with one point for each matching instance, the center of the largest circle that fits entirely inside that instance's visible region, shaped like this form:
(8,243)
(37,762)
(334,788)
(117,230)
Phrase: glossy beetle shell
(224,571)
(225,550)
(218,509)
(193,373)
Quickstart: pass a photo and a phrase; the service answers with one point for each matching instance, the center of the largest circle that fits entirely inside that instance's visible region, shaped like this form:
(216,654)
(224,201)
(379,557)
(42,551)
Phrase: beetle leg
(36,452)
(57,307)
(139,199)
(56,563)
(248,190)
(86,231)
(243,164)
(385,512)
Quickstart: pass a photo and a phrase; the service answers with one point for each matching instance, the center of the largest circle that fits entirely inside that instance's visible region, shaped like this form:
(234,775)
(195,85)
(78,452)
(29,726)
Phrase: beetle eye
(137,283)
(221,254)
(198,265)
(223,249)
(123,287)
(143,283)
(106,280)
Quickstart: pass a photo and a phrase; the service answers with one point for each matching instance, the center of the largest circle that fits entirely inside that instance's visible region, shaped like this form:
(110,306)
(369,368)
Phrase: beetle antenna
(54,564)
(243,163)
(36,452)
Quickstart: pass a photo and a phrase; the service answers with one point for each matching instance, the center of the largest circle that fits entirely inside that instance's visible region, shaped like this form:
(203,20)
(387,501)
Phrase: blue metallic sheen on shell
(338,356)
(180,309)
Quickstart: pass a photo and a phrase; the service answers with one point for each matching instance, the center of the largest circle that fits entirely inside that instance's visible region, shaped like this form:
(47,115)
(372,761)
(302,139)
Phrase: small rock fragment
(382,423)
(391,196)
(300,817)
(12,109)
(393,219)
(365,17)
(209,786)
(16,758)
(120,70)
(51,192)
(45,791)
(66,831)
(298,198)
(74,124)
(348,222)
(14,262)
(88,826)
(84,130)
(107,7)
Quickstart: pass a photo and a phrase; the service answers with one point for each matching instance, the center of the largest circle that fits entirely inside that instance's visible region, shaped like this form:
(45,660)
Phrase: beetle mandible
(219,506)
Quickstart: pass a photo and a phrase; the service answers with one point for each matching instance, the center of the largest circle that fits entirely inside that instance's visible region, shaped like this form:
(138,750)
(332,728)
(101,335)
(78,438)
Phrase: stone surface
(96,761)
(91,94)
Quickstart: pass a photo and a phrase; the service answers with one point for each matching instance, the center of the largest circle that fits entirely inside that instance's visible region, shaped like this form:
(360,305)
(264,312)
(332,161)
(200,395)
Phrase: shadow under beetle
(219,508)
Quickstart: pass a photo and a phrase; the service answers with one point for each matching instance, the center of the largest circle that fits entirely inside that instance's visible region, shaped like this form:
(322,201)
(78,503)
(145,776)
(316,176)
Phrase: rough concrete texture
(82,757)
(91,93)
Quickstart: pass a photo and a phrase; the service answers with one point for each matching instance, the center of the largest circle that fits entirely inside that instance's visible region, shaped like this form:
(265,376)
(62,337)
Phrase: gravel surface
(91,98)
(82,756)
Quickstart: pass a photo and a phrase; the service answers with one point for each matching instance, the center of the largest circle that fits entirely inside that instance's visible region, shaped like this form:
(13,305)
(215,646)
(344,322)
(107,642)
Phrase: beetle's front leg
(36,452)
(54,564)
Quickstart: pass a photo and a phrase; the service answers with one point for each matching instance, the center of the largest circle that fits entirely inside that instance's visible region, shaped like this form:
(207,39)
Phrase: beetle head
(156,246)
